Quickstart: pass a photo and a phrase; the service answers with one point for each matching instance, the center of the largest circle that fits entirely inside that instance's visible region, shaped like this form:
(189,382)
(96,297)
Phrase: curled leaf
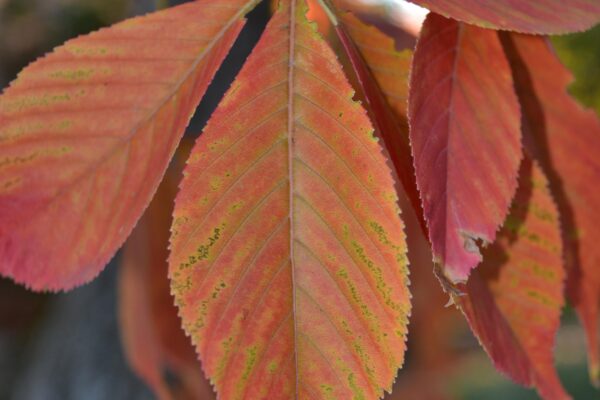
(382,72)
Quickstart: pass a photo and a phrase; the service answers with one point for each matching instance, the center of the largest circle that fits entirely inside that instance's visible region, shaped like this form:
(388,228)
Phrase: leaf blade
(514,300)
(551,119)
(82,147)
(465,137)
(539,16)
(280,171)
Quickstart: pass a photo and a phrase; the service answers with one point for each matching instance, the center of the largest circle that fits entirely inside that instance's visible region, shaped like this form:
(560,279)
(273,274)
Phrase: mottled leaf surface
(514,299)
(87,132)
(466,139)
(528,16)
(565,137)
(288,256)
(382,72)
(154,342)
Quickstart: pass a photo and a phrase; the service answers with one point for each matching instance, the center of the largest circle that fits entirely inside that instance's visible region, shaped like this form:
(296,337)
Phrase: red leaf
(87,133)
(529,16)
(465,136)
(566,139)
(154,342)
(288,257)
(514,299)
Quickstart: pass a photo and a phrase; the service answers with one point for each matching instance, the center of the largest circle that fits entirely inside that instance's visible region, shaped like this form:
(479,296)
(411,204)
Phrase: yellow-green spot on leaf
(538,184)
(384,239)
(236,206)
(364,308)
(541,298)
(202,252)
(86,51)
(23,127)
(218,290)
(250,361)
(346,230)
(538,270)
(10,184)
(377,274)
(327,391)
(20,160)
(73,75)
(358,392)
(272,367)
(542,213)
(35,101)
(64,124)
(226,344)
(215,183)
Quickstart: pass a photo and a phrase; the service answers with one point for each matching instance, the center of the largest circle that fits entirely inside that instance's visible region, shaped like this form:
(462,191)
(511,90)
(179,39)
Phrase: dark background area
(67,346)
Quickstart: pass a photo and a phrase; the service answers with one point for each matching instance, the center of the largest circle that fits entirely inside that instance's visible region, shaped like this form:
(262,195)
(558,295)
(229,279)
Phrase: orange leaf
(382,73)
(288,256)
(565,138)
(466,139)
(154,342)
(514,299)
(87,133)
(529,16)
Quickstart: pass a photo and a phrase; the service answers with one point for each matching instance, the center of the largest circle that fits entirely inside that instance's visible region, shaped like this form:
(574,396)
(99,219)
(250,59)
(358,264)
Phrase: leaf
(154,342)
(288,257)
(87,132)
(533,16)
(382,73)
(465,136)
(514,299)
(565,138)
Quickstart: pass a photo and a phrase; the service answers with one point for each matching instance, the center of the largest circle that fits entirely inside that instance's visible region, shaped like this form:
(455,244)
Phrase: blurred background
(68,346)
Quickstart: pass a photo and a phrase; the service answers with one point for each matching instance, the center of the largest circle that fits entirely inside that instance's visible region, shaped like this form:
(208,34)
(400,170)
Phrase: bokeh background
(68,346)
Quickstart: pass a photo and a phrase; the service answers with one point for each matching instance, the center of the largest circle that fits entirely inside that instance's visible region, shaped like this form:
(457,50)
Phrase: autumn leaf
(514,299)
(154,342)
(382,72)
(288,256)
(466,139)
(87,132)
(565,138)
(532,16)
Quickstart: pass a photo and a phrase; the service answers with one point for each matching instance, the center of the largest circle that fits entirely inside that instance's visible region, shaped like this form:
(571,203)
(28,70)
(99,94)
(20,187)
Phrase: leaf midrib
(291,156)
